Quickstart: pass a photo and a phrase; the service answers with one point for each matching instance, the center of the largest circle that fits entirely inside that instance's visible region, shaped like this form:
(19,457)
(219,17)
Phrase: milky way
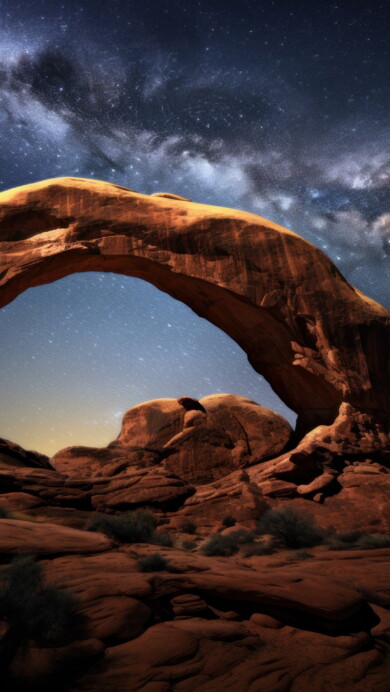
(279,108)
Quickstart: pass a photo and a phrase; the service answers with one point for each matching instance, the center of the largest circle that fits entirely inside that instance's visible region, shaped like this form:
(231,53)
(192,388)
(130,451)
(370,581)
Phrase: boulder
(18,536)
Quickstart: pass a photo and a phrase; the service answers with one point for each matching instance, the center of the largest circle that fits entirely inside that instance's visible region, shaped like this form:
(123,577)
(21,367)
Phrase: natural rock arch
(316,339)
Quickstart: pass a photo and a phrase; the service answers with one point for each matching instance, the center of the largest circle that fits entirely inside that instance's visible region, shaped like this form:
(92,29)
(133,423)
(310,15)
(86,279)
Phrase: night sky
(279,108)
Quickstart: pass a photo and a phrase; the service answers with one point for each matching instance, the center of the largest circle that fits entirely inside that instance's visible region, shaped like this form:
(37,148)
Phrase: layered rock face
(197,442)
(199,460)
(315,338)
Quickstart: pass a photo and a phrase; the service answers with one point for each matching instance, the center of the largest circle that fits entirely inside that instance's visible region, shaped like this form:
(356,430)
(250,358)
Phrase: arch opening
(257,330)
(69,388)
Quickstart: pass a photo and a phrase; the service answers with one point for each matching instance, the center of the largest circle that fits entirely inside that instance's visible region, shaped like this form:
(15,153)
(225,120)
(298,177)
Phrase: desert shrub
(46,615)
(241,536)
(260,549)
(188,526)
(219,544)
(364,541)
(161,538)
(4,514)
(128,527)
(301,555)
(153,563)
(291,528)
(334,543)
(350,536)
(188,545)
(229,520)
(372,541)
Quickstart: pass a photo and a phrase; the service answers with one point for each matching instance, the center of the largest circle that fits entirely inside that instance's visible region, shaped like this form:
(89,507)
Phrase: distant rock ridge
(197,442)
(222,454)
(14,455)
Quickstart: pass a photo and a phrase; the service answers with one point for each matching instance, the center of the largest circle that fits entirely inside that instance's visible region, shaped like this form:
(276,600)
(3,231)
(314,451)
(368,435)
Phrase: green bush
(129,527)
(160,538)
(46,615)
(372,541)
(241,536)
(334,543)
(291,528)
(260,549)
(153,563)
(350,536)
(188,526)
(188,545)
(229,521)
(219,544)
(362,541)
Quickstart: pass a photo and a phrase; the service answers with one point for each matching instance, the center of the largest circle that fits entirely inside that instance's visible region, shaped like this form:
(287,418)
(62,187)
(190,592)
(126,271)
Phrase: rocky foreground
(281,622)
(168,613)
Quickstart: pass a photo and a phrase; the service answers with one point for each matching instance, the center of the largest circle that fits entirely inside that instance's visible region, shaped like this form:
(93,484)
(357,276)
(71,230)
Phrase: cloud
(351,229)
(151,126)
(364,168)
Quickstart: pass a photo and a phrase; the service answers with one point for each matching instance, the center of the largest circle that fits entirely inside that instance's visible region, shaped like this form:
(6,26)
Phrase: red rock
(190,446)
(120,617)
(319,483)
(33,665)
(17,536)
(95,577)
(188,604)
(19,501)
(276,488)
(316,339)
(382,629)
(130,665)
(323,346)
(266,621)
(208,442)
(223,630)
(12,454)
(198,651)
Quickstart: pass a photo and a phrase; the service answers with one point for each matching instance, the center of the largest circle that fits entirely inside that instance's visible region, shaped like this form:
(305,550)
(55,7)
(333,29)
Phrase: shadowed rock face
(316,339)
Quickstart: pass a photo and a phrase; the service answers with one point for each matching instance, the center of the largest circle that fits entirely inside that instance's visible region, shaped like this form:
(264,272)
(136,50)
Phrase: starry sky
(278,107)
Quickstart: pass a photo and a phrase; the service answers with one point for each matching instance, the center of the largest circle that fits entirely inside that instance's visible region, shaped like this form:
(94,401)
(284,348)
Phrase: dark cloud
(257,136)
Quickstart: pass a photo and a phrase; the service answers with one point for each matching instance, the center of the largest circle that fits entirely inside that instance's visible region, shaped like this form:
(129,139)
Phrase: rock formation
(224,454)
(219,434)
(319,342)
(252,621)
(261,623)
(14,455)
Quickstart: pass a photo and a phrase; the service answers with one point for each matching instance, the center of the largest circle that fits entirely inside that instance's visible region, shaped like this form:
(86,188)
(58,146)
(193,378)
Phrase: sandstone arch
(316,339)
